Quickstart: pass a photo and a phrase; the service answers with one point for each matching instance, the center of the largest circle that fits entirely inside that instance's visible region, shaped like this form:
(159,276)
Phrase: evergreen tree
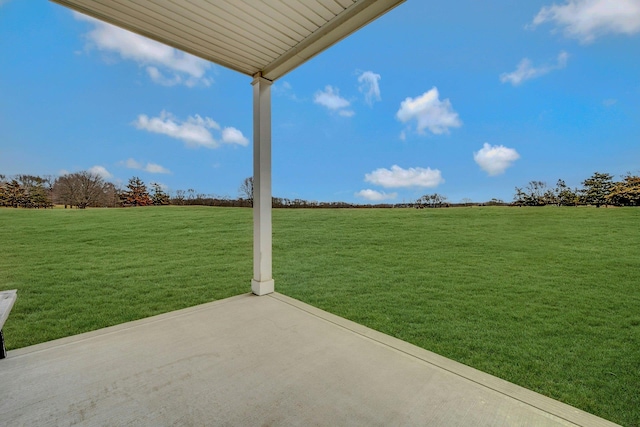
(597,188)
(137,194)
(14,194)
(159,197)
(626,192)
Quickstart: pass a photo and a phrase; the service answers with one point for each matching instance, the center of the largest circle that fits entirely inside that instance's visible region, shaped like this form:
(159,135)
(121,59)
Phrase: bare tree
(536,193)
(80,189)
(565,196)
(434,200)
(179,197)
(246,189)
(111,196)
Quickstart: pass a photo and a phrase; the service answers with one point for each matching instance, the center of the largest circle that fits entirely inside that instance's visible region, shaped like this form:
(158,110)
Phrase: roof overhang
(255,37)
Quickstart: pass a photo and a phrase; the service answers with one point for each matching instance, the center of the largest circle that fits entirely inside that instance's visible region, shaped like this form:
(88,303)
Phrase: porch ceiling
(271,37)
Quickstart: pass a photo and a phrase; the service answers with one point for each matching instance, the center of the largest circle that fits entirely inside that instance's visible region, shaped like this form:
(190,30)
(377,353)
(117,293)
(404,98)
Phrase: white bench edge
(7,299)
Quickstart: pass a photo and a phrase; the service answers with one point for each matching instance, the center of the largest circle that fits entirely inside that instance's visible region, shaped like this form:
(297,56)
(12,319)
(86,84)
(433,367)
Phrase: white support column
(262,282)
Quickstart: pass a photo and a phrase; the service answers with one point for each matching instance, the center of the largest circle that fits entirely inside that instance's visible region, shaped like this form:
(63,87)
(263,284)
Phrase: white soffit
(271,37)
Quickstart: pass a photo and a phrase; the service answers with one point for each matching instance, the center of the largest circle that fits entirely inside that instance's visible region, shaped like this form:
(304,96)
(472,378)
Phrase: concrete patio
(256,361)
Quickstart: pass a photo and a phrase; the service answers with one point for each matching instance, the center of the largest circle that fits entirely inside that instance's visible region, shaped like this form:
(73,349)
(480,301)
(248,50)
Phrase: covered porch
(256,361)
(251,360)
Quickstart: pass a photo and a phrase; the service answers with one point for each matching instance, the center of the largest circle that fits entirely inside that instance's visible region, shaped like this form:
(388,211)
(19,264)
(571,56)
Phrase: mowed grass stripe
(547,298)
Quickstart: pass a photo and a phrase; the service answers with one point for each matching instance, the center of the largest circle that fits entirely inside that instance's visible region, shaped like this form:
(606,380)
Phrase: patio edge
(516,392)
(60,342)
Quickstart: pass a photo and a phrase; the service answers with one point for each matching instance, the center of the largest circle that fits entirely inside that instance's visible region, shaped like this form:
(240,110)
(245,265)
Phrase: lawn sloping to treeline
(547,298)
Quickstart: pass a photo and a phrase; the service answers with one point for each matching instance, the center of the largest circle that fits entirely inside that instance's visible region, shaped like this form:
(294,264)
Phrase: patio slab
(256,361)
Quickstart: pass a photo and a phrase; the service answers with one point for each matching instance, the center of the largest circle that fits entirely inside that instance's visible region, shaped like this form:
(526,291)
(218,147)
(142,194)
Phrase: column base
(262,288)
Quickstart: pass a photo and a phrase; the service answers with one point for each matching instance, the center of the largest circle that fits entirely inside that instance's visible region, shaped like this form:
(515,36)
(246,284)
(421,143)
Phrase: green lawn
(547,298)
(79,270)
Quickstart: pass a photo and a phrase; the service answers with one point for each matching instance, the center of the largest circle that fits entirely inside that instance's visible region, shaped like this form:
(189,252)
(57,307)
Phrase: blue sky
(464,98)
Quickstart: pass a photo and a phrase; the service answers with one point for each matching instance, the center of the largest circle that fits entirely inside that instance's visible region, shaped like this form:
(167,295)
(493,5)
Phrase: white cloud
(285,86)
(181,67)
(609,102)
(375,196)
(587,19)
(155,168)
(526,70)
(495,159)
(284,89)
(149,167)
(398,177)
(161,79)
(331,99)
(100,171)
(369,86)
(196,131)
(232,135)
(132,164)
(429,113)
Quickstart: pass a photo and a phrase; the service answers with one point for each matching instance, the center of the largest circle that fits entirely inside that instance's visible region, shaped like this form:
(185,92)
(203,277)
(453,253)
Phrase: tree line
(598,190)
(85,189)
(80,190)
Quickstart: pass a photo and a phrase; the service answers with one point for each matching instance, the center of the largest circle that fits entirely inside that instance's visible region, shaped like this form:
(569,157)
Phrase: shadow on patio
(251,360)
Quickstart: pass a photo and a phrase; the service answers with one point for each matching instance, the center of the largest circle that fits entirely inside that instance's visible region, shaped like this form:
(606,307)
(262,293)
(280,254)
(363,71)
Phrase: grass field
(547,298)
